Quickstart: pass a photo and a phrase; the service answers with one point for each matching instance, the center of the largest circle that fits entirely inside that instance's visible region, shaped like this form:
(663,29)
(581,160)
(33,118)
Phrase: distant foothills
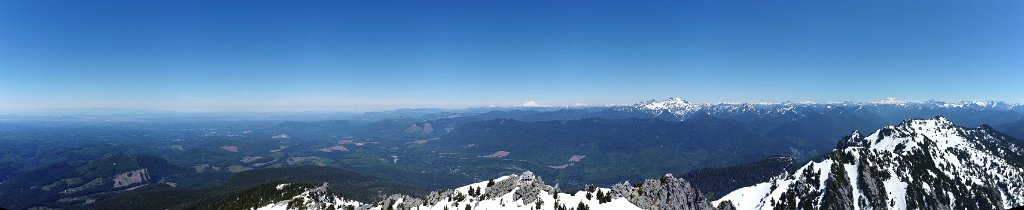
(673,103)
(171,160)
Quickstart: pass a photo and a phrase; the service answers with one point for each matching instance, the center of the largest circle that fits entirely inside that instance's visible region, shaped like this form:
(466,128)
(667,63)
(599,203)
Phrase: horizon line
(526,105)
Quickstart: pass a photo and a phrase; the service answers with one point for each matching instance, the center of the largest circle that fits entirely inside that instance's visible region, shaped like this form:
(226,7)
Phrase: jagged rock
(401,202)
(726,205)
(437,196)
(529,187)
(666,193)
(501,187)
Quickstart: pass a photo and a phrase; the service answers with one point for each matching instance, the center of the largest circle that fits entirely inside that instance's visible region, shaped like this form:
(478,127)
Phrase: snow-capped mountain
(889,110)
(675,106)
(524,191)
(682,108)
(918,164)
(679,109)
(1000,105)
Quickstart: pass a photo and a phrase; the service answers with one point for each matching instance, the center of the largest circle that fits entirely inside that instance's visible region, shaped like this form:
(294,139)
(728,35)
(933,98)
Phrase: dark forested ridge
(351,184)
(716,182)
(1015,129)
(606,147)
(61,183)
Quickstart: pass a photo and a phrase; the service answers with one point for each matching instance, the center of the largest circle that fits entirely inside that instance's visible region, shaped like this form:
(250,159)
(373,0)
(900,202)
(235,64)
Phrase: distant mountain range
(967,112)
(890,109)
(918,164)
(684,135)
(69,161)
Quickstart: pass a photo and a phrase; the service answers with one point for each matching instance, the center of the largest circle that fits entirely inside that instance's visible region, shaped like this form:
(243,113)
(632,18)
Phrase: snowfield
(903,163)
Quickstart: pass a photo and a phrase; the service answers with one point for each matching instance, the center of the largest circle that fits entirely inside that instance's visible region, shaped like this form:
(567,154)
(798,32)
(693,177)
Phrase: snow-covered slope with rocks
(918,164)
(526,192)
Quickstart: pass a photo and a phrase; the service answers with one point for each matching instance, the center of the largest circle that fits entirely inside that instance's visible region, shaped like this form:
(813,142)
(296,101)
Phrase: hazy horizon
(527,104)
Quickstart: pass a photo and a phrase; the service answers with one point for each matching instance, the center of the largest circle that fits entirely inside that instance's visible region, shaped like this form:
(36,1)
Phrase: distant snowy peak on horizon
(520,192)
(677,102)
(918,164)
(676,106)
(943,104)
(684,109)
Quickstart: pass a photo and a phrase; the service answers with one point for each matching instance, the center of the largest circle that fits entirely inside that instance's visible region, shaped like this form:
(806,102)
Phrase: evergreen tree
(459,197)
(582,206)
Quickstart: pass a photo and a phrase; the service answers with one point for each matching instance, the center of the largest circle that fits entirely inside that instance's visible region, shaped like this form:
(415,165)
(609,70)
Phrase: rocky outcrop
(527,191)
(666,193)
(529,187)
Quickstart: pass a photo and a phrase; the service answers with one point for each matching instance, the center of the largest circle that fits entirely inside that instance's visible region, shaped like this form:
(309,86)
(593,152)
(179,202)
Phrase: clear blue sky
(365,55)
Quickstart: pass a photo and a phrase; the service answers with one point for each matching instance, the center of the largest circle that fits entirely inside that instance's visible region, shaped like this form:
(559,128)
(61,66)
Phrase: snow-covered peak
(910,134)
(890,100)
(934,104)
(670,103)
(674,105)
(896,167)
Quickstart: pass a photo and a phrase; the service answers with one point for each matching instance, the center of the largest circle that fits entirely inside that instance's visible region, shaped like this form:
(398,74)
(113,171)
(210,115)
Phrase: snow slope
(918,164)
(519,192)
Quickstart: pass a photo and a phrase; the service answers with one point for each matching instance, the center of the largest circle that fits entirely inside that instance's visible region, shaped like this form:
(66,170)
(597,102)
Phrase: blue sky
(370,55)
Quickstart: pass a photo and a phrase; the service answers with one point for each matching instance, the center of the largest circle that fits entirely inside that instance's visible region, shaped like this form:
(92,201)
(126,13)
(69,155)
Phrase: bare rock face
(501,187)
(666,193)
(726,205)
(529,187)
(402,202)
(437,196)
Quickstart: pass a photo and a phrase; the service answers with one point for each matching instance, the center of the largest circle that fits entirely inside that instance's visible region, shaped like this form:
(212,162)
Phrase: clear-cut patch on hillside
(230,148)
(130,178)
(498,154)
